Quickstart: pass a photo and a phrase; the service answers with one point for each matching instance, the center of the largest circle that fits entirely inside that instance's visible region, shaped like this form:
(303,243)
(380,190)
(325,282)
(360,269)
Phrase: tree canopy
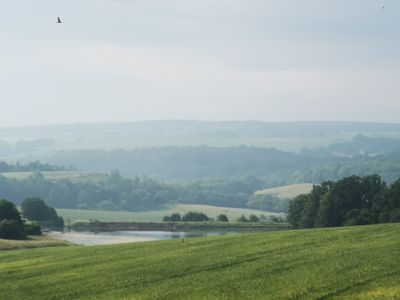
(352,200)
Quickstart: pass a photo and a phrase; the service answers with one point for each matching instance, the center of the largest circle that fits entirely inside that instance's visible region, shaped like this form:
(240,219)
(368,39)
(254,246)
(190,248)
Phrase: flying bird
(59,20)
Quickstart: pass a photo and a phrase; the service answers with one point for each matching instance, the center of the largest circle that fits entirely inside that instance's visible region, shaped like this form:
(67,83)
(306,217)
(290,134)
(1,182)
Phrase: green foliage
(32,229)
(268,202)
(35,209)
(8,211)
(11,225)
(193,216)
(343,263)
(36,166)
(350,201)
(242,218)
(12,230)
(174,217)
(253,218)
(222,218)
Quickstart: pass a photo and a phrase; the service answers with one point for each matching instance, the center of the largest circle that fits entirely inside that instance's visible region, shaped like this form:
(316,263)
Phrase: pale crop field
(287,191)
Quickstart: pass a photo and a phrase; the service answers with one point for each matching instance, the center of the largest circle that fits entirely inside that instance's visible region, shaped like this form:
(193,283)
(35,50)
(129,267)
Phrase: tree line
(115,192)
(35,166)
(352,200)
(35,213)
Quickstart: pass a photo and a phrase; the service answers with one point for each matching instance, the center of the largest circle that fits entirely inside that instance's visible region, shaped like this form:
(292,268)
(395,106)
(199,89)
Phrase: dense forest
(175,164)
(350,201)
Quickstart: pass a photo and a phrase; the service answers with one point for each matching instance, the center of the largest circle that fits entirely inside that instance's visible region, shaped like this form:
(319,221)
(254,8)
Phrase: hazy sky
(128,60)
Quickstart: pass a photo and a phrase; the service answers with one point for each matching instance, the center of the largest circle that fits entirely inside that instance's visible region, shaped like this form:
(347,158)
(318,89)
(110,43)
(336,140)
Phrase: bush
(175,217)
(222,218)
(193,216)
(33,229)
(36,209)
(12,230)
(8,211)
(242,218)
(253,218)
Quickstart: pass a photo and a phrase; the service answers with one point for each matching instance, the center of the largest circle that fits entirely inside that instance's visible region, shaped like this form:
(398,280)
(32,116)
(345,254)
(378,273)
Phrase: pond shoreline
(176,226)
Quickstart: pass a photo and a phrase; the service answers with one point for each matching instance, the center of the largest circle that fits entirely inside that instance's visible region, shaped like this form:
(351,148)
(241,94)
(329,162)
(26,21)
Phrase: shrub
(175,217)
(193,216)
(33,229)
(36,209)
(12,230)
(242,218)
(8,211)
(222,218)
(253,218)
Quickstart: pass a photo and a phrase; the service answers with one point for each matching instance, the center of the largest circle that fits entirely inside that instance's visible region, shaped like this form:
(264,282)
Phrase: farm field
(74,176)
(32,242)
(346,263)
(287,191)
(155,216)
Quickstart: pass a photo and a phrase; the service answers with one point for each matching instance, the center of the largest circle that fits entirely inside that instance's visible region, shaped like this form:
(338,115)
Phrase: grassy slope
(154,216)
(356,263)
(287,191)
(32,242)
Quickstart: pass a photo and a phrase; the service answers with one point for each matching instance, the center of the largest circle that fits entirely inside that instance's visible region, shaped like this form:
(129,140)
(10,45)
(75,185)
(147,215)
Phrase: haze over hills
(16,143)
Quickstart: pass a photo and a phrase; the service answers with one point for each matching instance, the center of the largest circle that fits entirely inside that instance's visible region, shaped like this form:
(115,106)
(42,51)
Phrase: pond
(89,238)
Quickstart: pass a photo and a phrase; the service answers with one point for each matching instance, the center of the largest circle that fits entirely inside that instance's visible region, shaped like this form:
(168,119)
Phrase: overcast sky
(129,60)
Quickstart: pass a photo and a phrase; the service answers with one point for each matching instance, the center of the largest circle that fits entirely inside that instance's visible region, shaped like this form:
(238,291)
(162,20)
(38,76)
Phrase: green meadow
(339,263)
(157,215)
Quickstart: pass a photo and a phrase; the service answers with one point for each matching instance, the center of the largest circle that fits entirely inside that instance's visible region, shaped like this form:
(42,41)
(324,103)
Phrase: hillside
(351,263)
(287,191)
(277,199)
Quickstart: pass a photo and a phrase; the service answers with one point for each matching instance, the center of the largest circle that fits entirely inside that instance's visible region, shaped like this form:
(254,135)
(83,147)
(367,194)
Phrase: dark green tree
(222,218)
(8,211)
(253,218)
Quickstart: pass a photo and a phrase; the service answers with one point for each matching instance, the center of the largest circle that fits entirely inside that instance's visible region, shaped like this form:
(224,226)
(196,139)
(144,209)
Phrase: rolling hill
(345,263)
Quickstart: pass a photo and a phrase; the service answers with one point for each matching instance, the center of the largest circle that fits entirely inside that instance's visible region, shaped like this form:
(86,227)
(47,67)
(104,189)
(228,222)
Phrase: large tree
(8,211)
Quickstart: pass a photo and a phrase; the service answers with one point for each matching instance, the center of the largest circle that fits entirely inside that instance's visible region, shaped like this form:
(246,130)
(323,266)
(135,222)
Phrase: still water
(88,238)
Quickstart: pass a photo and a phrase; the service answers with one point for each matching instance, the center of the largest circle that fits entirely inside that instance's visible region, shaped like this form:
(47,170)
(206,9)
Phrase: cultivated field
(287,191)
(345,263)
(155,216)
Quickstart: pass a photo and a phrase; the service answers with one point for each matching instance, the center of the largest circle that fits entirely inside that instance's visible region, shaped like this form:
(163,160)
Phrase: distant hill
(15,142)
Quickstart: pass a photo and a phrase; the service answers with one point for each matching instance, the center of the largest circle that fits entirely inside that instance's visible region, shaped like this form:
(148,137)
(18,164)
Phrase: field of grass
(287,191)
(73,176)
(155,216)
(345,263)
(32,242)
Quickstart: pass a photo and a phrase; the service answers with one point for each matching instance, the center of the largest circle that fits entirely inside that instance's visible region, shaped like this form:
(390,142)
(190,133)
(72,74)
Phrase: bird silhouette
(59,20)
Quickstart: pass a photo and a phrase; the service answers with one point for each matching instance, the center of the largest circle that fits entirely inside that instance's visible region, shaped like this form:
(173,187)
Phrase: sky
(132,60)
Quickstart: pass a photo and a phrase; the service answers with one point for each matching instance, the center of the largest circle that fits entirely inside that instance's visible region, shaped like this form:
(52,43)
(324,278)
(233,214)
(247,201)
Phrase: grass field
(154,216)
(287,191)
(345,263)
(74,176)
(32,242)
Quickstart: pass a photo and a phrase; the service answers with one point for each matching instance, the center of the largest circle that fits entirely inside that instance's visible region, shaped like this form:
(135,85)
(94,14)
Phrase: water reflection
(94,237)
